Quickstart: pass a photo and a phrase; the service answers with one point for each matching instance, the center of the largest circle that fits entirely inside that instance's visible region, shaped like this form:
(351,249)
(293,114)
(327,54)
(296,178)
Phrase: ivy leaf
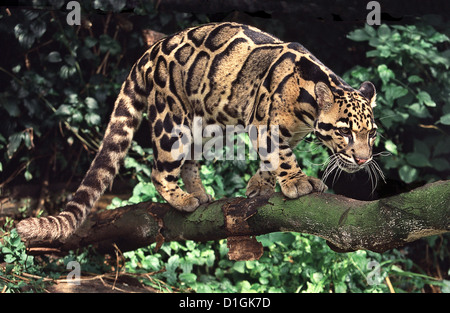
(38,28)
(408,174)
(109,5)
(91,103)
(93,118)
(64,109)
(14,143)
(90,41)
(24,36)
(188,278)
(54,57)
(9,258)
(109,44)
(10,104)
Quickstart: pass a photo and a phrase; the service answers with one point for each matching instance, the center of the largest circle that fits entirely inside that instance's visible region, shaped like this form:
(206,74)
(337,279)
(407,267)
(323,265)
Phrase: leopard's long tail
(125,120)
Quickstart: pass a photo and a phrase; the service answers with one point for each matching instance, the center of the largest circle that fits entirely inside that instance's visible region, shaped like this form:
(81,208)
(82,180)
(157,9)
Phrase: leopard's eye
(345,131)
(373,133)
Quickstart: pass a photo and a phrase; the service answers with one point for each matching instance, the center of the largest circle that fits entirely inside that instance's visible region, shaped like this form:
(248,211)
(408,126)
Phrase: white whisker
(379,170)
(382,153)
(332,165)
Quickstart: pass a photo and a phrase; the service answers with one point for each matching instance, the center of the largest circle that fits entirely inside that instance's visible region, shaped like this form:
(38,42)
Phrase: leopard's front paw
(202,196)
(185,203)
(258,186)
(301,186)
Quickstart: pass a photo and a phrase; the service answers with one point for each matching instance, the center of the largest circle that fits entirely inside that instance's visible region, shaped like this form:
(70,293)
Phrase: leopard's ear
(324,96)
(368,90)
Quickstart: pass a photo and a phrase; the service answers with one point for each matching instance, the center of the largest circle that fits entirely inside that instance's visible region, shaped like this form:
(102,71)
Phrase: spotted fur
(227,74)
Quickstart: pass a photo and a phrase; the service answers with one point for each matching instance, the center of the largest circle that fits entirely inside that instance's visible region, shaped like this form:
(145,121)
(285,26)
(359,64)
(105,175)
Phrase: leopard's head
(345,124)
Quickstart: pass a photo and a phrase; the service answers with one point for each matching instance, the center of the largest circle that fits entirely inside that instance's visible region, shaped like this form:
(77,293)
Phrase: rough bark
(345,223)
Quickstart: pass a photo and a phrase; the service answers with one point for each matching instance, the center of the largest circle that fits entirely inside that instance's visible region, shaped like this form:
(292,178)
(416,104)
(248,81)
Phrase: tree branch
(345,223)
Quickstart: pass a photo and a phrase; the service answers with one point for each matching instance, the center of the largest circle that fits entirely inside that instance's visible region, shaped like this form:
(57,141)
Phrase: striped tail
(125,120)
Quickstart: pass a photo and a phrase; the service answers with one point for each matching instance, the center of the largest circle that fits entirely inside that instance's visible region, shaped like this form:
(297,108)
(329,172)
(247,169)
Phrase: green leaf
(440,164)
(391,147)
(76,116)
(373,53)
(70,60)
(38,28)
(370,30)
(11,106)
(425,98)
(417,159)
(64,109)
(54,57)
(90,42)
(152,262)
(408,174)
(394,92)
(340,287)
(91,103)
(358,35)
(384,32)
(361,73)
(66,71)
(28,176)
(110,5)
(415,79)
(445,119)
(173,263)
(24,36)
(188,278)
(14,143)
(419,110)
(385,73)
(239,267)
(93,118)
(9,258)
(420,146)
(109,44)
(6,250)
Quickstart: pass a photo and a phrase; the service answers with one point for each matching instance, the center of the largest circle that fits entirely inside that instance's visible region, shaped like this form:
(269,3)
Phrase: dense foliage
(57,87)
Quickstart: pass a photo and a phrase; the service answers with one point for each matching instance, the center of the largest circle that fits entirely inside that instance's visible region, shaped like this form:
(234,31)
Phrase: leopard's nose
(360,161)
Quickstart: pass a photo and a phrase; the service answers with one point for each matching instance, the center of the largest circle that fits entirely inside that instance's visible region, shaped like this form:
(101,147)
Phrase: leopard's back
(212,71)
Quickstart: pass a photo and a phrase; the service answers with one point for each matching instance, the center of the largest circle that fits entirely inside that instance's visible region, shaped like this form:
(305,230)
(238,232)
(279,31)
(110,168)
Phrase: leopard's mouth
(341,162)
(347,165)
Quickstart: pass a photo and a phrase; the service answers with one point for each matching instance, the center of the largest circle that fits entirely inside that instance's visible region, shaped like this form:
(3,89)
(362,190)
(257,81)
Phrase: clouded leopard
(225,74)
